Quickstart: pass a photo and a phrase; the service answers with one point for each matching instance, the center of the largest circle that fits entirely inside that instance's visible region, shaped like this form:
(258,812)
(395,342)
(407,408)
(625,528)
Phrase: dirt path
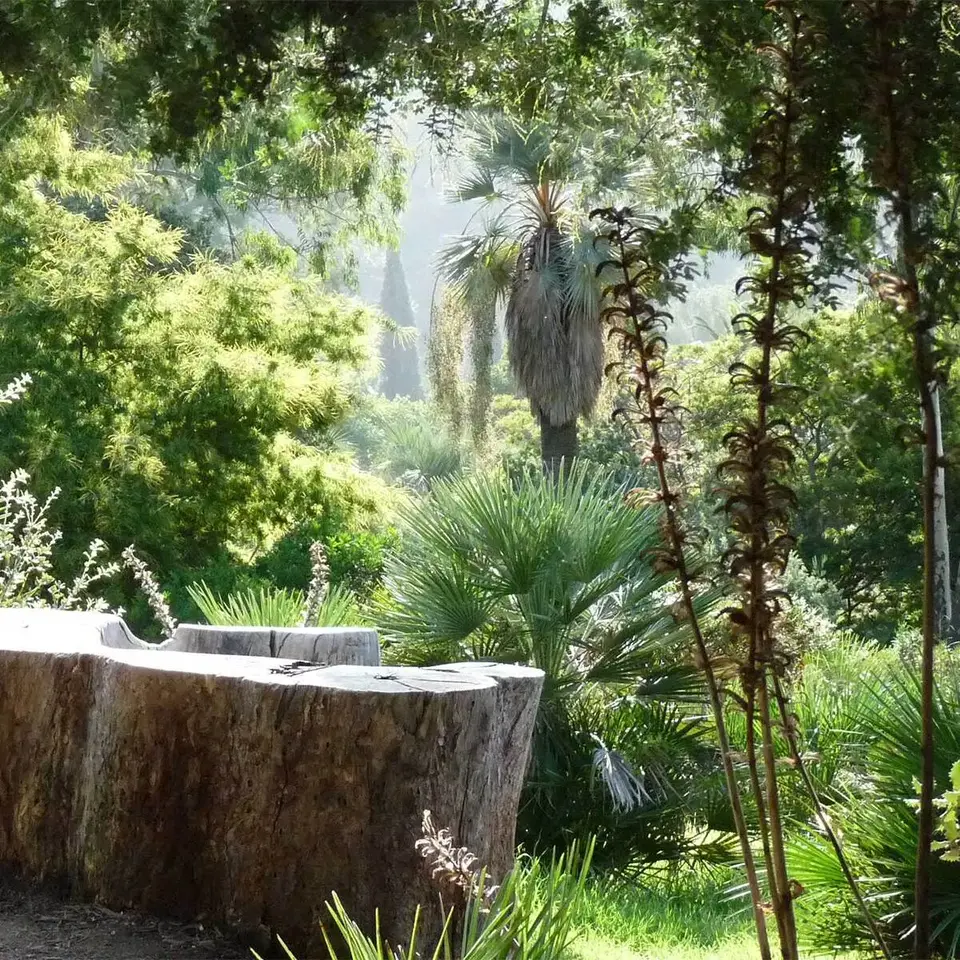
(37,925)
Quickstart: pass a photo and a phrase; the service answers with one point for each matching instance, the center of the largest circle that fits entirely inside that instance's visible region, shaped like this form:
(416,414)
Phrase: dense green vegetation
(725,539)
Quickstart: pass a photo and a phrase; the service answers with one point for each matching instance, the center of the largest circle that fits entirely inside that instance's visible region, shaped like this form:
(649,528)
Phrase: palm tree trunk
(558,444)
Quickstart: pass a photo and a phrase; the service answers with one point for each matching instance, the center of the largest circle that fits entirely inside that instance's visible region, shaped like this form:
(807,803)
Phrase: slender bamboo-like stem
(781,882)
(896,174)
(654,412)
(756,787)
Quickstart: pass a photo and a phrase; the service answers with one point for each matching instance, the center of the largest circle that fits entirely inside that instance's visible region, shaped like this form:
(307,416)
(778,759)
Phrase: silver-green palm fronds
(534,254)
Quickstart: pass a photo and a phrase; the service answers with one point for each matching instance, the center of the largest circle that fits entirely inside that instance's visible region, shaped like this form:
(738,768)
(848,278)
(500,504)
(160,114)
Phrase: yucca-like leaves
(530,916)
(273,607)
(420,453)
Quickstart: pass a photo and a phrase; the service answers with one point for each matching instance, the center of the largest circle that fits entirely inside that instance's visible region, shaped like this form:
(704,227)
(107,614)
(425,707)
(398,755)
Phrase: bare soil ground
(39,925)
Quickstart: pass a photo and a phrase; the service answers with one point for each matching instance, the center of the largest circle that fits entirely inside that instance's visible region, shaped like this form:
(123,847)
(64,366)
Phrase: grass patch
(688,916)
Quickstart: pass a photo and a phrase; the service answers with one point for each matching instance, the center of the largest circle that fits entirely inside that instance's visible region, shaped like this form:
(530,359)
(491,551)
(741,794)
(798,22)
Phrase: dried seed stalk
(640,327)
(319,584)
(757,502)
(151,589)
(456,867)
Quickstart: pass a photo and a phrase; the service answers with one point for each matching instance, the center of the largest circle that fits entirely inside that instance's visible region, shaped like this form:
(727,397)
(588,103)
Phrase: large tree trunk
(559,445)
(245,790)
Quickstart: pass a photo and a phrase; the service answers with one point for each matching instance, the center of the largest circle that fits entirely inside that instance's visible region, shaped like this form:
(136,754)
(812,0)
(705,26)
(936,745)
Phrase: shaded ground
(38,925)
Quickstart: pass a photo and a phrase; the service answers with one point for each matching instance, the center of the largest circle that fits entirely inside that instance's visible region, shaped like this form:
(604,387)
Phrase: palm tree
(533,253)
(558,573)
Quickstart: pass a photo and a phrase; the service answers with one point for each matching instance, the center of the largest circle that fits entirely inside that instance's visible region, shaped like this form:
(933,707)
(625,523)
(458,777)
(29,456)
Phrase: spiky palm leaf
(875,811)
(557,574)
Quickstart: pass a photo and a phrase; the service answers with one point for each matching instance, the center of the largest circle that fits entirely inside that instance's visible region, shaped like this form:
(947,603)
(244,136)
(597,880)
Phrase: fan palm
(533,253)
(873,804)
(557,573)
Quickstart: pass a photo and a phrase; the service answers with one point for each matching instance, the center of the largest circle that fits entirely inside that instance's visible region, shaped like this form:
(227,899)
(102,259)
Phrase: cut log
(245,790)
(333,646)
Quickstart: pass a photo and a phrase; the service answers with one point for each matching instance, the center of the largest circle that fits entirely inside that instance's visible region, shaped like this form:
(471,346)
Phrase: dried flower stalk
(319,584)
(640,327)
(757,502)
(151,589)
(456,867)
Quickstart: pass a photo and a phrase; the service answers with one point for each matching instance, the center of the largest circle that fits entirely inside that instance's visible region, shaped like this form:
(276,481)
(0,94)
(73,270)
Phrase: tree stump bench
(244,790)
(329,645)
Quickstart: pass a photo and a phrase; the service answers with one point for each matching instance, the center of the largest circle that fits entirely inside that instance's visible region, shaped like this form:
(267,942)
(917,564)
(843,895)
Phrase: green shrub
(171,394)
(356,557)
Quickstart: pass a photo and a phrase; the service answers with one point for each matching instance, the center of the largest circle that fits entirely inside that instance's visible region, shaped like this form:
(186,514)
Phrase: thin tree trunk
(943,601)
(931,461)
(904,292)
(559,445)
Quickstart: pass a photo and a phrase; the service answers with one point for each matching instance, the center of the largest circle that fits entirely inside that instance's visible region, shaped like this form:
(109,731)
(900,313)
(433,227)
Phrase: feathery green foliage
(169,399)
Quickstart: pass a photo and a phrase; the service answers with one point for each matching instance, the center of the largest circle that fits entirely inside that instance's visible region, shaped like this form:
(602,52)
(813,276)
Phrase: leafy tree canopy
(170,396)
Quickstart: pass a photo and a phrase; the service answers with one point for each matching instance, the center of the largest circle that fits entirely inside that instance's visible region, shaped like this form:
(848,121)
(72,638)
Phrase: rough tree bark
(558,444)
(338,646)
(245,790)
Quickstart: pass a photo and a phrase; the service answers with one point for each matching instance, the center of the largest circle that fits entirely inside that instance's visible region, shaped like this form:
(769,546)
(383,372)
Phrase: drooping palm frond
(553,326)
(480,265)
(658,757)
